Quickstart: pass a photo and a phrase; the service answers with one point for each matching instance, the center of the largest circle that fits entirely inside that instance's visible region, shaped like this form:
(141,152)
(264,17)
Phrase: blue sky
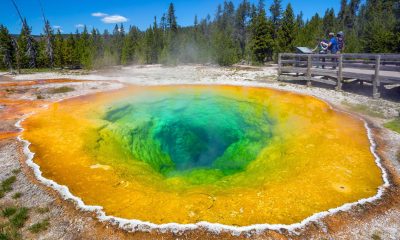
(70,14)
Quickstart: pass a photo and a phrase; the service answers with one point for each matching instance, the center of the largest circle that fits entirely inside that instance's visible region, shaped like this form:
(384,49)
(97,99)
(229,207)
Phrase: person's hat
(340,33)
(331,34)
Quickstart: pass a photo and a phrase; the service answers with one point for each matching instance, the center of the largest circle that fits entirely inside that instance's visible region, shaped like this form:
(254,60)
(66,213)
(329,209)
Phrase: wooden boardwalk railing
(336,69)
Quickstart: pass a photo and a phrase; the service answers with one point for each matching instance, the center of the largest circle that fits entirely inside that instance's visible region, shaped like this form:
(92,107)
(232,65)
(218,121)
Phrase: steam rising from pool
(186,154)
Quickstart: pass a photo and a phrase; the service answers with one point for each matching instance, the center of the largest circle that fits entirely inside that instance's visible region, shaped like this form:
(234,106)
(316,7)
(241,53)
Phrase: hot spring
(222,154)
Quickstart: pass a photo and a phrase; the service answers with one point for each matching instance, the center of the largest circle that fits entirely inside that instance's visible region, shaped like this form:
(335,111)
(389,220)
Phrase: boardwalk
(336,69)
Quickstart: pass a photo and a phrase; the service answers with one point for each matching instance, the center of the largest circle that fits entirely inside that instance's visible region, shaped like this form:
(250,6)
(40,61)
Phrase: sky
(69,15)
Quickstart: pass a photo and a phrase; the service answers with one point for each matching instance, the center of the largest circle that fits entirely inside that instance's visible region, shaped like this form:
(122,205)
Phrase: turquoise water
(189,134)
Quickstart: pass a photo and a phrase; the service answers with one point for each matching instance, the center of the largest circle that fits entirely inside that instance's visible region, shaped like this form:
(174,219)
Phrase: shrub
(19,219)
(63,89)
(40,226)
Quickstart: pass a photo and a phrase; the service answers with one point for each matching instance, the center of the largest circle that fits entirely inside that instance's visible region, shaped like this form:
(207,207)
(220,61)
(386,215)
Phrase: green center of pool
(191,135)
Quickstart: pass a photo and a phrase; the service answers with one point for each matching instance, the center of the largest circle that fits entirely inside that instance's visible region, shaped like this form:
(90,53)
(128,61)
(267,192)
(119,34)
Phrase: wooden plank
(325,81)
(293,70)
(390,68)
(395,63)
(324,72)
(359,55)
(360,61)
(376,83)
(390,56)
(363,61)
(360,76)
(372,66)
(290,61)
(356,65)
(349,55)
(306,55)
(372,56)
(305,78)
(326,64)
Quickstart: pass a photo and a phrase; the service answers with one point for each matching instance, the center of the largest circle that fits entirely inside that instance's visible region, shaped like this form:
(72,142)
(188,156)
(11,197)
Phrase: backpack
(340,40)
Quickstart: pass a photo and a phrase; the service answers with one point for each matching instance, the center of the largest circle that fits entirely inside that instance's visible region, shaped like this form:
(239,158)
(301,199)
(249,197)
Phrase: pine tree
(84,47)
(27,52)
(149,43)
(242,25)
(287,32)
(171,50)
(262,42)
(59,53)
(342,13)
(130,48)
(7,50)
(69,52)
(226,50)
(171,18)
(329,21)
(48,31)
(42,59)
(380,36)
(118,42)
(351,15)
(97,48)
(311,34)
(276,12)
(299,20)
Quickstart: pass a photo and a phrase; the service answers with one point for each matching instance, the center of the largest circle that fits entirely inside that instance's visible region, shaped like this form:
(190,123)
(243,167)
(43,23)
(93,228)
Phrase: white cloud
(114,19)
(99,14)
(80,25)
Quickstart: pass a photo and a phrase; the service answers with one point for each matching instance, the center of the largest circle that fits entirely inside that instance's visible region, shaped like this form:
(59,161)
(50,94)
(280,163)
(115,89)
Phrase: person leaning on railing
(321,48)
(333,47)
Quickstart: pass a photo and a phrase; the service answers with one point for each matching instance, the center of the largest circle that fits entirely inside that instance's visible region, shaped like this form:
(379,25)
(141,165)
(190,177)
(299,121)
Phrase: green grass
(43,210)
(6,185)
(63,89)
(19,218)
(17,195)
(364,109)
(375,236)
(16,171)
(7,233)
(40,226)
(393,125)
(36,70)
(15,219)
(8,211)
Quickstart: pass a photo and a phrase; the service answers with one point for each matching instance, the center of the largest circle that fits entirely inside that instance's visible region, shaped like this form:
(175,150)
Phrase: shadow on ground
(389,92)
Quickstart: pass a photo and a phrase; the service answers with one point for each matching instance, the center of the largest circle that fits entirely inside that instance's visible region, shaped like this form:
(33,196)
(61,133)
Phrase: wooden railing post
(340,73)
(279,64)
(376,83)
(309,65)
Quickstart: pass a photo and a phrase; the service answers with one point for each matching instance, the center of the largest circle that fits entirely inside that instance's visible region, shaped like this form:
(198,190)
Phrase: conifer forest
(245,33)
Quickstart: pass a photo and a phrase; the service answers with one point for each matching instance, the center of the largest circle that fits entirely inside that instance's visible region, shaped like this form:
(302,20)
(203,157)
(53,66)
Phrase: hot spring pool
(222,154)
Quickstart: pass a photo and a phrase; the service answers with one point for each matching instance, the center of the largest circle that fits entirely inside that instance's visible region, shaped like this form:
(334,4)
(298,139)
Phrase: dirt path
(380,220)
